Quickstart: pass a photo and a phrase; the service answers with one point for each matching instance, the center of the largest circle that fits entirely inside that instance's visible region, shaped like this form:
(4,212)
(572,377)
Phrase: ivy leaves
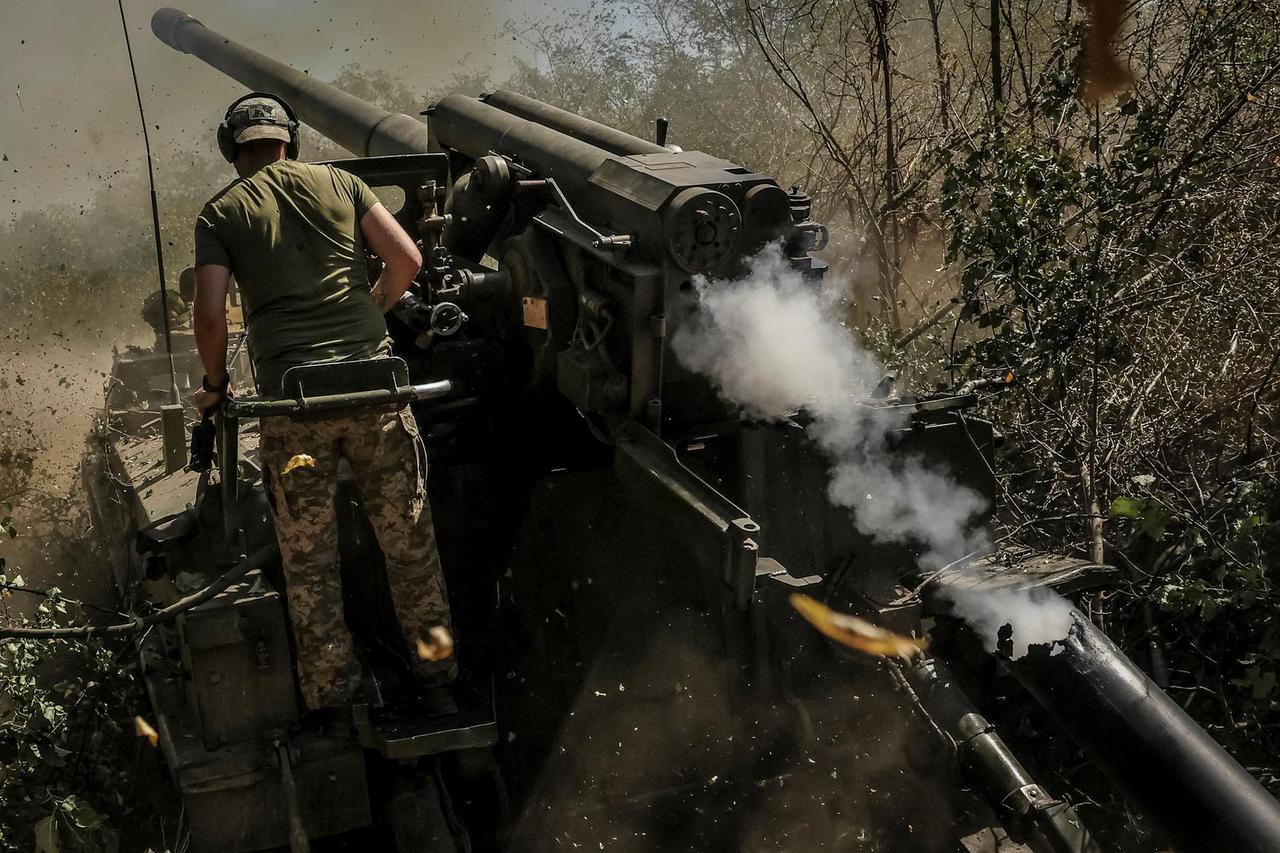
(1022,273)
(64,752)
(1210,564)
(1122,257)
(1150,518)
(61,743)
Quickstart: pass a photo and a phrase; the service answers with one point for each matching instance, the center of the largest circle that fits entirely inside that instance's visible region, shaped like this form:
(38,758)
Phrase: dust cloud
(76,253)
(68,120)
(773,345)
(73,157)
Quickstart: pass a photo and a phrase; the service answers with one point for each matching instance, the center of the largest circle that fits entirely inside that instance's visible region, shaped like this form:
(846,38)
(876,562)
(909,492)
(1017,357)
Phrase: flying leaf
(141,728)
(440,647)
(1107,74)
(1126,507)
(854,632)
(301,460)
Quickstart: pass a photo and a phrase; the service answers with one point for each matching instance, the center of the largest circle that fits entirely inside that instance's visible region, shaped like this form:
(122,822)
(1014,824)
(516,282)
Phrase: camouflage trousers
(388,462)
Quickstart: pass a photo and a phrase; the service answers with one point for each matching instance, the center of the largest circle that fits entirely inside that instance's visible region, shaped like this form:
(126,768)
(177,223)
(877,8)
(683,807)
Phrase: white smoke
(773,345)
(1037,616)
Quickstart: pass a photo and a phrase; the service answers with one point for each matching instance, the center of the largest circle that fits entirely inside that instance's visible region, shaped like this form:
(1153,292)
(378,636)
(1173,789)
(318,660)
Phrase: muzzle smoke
(773,345)
(1038,616)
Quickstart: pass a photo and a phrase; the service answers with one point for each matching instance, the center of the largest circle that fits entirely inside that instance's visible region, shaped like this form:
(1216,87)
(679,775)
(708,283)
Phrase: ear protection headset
(227,133)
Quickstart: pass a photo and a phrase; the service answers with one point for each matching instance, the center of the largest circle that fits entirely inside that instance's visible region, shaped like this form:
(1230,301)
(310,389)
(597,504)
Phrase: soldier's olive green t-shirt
(290,233)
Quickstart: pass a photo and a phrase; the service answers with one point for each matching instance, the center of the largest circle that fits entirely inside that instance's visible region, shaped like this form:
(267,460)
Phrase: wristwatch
(220,389)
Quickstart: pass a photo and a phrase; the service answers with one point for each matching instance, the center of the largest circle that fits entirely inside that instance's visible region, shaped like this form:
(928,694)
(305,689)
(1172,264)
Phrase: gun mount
(619,547)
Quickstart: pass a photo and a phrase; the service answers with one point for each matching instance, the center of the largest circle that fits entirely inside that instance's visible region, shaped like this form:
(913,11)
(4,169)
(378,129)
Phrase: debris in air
(439,647)
(1107,73)
(301,460)
(854,632)
(141,728)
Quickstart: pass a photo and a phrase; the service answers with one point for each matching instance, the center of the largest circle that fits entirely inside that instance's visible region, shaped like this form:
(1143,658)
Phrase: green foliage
(1211,578)
(1116,256)
(1150,518)
(65,754)
(65,751)
(1025,279)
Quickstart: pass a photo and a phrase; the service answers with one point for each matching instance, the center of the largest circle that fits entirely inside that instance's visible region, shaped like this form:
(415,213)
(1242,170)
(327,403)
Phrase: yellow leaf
(440,647)
(854,632)
(142,728)
(1248,96)
(1106,72)
(301,460)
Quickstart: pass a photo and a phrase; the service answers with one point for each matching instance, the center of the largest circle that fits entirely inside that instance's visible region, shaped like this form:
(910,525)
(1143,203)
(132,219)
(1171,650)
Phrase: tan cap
(259,118)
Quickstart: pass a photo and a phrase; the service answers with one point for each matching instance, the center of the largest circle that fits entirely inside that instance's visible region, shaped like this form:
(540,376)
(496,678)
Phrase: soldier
(153,313)
(294,235)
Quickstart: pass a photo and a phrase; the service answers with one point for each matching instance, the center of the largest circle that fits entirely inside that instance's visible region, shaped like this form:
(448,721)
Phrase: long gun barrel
(592,132)
(355,124)
(1150,746)
(475,128)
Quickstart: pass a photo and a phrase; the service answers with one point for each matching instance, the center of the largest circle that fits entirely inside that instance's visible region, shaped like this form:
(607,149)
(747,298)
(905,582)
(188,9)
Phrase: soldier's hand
(207,399)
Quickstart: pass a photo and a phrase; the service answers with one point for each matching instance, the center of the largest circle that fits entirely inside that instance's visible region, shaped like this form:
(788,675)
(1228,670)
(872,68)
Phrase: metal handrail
(254,407)
(229,433)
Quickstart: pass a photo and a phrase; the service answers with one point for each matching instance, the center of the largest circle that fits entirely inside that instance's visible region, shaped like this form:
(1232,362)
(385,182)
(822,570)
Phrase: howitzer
(642,538)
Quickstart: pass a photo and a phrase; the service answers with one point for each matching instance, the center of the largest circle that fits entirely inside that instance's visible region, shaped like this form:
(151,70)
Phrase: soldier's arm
(399,253)
(210,320)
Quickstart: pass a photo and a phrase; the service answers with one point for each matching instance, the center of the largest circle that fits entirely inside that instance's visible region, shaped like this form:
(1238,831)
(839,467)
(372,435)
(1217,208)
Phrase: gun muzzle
(355,124)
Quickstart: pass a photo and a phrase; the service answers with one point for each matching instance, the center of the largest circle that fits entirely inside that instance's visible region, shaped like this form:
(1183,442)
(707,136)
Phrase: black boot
(436,701)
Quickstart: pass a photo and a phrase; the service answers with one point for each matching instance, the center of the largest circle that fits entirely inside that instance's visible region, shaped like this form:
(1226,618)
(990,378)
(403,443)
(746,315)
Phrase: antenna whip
(155,210)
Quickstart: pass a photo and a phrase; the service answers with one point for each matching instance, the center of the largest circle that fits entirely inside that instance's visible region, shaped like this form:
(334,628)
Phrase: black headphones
(227,134)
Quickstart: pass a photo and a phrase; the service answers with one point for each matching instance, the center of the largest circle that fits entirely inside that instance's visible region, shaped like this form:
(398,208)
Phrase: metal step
(401,731)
